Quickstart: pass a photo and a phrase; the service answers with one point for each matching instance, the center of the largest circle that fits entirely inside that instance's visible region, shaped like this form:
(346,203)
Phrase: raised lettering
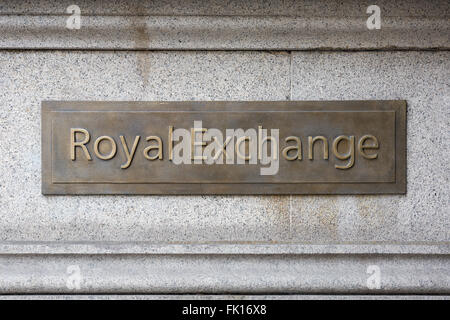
(113,148)
(73,143)
(349,155)
(128,154)
(362,146)
(238,147)
(297,146)
(311,142)
(159,146)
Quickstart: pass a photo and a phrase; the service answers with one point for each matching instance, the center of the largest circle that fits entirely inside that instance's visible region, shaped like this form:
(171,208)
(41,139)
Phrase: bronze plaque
(294,147)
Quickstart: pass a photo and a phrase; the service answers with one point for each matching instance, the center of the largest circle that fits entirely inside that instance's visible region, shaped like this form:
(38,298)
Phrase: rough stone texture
(143,248)
(314,8)
(286,244)
(224,274)
(421,78)
(224,25)
(29,78)
(223,33)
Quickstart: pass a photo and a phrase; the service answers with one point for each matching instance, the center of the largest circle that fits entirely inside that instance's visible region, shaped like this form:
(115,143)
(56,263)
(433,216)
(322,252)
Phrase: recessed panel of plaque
(294,147)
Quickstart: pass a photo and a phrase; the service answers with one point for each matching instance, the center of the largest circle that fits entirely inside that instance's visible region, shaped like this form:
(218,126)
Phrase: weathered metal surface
(323,147)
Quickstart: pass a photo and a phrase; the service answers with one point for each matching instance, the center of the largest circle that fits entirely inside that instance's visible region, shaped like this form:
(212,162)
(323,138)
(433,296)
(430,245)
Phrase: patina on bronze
(294,147)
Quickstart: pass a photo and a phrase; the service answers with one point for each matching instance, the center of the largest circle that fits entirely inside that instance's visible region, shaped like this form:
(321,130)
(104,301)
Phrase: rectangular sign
(295,147)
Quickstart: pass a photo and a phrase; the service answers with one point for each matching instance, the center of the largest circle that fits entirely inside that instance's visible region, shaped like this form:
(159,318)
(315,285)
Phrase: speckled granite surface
(225,244)
(224,25)
(421,78)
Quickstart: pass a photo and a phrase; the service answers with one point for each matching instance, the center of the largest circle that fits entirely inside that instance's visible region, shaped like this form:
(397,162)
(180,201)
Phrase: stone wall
(232,50)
